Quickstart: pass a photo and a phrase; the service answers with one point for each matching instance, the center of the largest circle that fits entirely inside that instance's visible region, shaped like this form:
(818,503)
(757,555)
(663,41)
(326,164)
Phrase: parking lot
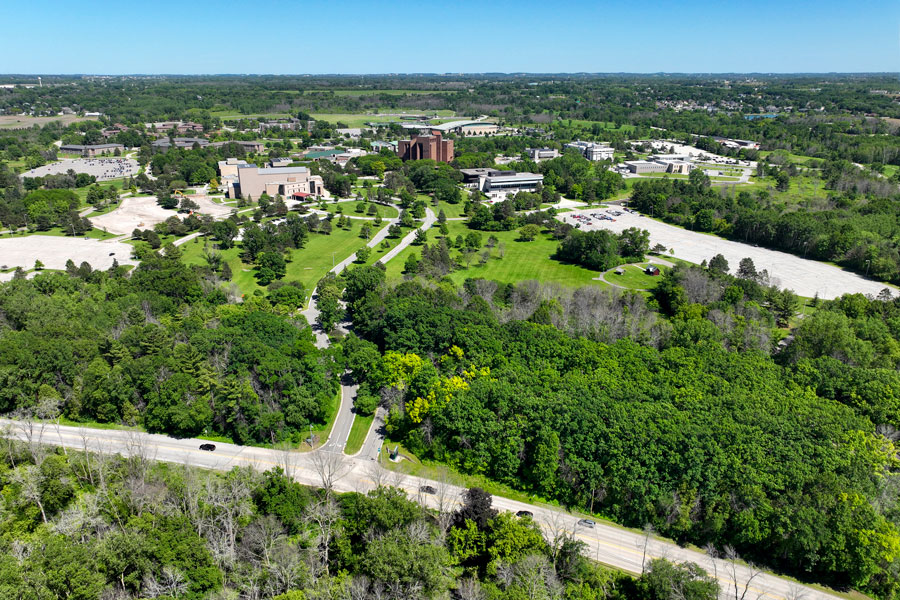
(805,277)
(54,251)
(103,169)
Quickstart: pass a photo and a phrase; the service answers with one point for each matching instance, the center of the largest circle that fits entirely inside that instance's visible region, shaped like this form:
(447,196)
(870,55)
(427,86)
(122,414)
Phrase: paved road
(806,277)
(337,441)
(605,542)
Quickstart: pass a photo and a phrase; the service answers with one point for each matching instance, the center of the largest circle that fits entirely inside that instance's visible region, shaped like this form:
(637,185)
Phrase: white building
(539,154)
(593,150)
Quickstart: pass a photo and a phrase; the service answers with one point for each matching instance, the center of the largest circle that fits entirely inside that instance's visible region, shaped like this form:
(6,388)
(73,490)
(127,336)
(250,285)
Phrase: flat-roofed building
(426,147)
(645,166)
(92,150)
(229,167)
(248,146)
(467,128)
(593,150)
(179,142)
(539,154)
(497,184)
(253,182)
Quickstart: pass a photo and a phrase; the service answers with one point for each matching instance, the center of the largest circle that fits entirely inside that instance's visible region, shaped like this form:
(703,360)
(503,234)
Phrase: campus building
(165,143)
(539,154)
(592,150)
(92,150)
(248,146)
(498,184)
(289,182)
(660,165)
(426,147)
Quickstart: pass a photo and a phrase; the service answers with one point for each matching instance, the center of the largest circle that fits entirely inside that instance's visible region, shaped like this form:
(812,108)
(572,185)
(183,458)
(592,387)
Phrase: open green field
(634,277)
(605,125)
(521,261)
(360,119)
(450,210)
(358,431)
(83,192)
(794,158)
(307,265)
(96,234)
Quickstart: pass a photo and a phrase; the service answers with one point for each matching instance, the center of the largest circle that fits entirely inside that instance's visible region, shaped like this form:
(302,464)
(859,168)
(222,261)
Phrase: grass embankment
(521,261)
(358,432)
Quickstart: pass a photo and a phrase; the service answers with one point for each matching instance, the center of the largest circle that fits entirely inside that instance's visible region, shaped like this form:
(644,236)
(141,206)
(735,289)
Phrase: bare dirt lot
(805,277)
(25,122)
(144,213)
(54,251)
(103,169)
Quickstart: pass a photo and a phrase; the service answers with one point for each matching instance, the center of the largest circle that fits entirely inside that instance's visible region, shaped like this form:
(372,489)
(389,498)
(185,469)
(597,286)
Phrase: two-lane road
(607,543)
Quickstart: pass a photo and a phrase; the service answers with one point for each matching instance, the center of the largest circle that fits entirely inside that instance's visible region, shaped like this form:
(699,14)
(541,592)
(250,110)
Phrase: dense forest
(163,349)
(788,457)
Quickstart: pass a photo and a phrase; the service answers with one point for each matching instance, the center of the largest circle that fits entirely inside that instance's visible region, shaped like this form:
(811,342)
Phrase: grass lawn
(451,210)
(307,265)
(349,208)
(634,277)
(96,234)
(358,431)
(83,192)
(522,260)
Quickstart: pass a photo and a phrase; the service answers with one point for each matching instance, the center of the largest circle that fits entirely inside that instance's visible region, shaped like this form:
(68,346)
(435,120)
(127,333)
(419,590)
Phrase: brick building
(422,147)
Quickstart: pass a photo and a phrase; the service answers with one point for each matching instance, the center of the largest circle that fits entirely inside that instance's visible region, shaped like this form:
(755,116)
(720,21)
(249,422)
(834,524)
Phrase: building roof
(454,124)
(283,170)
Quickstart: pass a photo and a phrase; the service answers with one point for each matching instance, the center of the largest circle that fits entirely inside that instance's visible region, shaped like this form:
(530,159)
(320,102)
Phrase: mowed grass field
(522,261)
(307,265)
(360,119)
(349,208)
(634,278)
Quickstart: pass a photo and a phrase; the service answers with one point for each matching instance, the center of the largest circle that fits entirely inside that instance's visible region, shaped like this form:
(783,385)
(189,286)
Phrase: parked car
(428,489)
(586,523)
(524,513)
(208,447)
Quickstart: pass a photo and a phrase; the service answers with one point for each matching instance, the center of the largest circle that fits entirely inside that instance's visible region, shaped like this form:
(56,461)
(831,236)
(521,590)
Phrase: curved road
(340,431)
(605,542)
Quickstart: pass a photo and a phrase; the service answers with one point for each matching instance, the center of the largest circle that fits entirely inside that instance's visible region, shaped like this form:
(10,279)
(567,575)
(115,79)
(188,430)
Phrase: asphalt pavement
(605,542)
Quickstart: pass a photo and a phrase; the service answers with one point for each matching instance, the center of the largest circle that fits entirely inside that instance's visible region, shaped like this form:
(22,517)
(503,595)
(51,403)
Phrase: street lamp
(867,267)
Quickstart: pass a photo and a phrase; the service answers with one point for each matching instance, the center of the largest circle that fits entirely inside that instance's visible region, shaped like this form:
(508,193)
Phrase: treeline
(706,444)
(89,527)
(856,232)
(161,349)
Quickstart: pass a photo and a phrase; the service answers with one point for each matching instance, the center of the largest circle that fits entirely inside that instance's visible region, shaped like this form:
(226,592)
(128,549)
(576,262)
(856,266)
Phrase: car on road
(208,447)
(524,513)
(586,523)
(428,489)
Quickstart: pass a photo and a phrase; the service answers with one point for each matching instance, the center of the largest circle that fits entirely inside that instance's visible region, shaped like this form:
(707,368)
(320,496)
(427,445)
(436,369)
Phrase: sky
(463,36)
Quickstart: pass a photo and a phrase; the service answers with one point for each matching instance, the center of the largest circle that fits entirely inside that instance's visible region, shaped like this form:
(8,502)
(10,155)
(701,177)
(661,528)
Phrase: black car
(524,513)
(208,447)
(427,489)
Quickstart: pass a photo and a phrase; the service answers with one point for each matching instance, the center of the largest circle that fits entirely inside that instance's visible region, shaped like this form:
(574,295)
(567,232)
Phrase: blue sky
(351,36)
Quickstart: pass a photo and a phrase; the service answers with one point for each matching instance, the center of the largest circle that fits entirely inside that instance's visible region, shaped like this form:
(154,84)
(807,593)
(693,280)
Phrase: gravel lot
(54,251)
(102,168)
(144,213)
(805,277)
